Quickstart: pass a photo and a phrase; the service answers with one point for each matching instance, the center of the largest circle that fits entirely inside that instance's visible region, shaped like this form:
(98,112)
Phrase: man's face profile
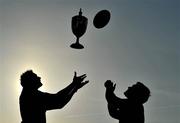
(30,80)
(138,92)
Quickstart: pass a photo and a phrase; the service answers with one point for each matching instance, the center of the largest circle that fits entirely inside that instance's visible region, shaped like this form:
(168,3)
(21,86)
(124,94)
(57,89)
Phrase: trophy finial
(80,12)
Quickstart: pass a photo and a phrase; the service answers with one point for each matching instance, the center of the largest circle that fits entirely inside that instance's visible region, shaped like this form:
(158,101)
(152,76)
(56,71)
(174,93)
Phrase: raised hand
(79,80)
(110,85)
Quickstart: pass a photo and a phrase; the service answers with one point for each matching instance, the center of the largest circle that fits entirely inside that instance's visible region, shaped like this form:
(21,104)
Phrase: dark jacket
(34,104)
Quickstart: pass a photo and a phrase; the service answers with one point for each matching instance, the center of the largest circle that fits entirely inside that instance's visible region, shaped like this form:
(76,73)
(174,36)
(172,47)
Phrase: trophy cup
(78,25)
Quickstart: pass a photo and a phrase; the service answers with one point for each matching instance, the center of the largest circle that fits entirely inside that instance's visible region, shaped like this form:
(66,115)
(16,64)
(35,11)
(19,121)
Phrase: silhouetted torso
(34,104)
(127,111)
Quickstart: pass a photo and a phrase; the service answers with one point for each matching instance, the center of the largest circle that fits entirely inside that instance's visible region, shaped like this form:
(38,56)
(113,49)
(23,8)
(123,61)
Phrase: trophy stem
(77,45)
(77,40)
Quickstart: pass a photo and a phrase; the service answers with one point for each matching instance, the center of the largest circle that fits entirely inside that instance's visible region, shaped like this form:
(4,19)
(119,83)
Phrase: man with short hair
(128,110)
(34,103)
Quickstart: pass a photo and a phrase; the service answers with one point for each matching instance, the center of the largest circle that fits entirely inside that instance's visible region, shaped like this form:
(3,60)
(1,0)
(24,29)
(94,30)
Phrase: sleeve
(60,99)
(113,111)
(54,101)
(114,104)
(113,99)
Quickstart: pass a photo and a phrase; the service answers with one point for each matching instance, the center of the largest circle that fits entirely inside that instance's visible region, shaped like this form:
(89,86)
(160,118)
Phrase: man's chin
(125,94)
(40,84)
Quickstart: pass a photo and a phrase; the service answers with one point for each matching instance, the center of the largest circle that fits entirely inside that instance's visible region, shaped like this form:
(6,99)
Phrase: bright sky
(140,43)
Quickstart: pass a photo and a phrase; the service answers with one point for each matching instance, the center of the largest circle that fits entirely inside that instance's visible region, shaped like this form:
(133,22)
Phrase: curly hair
(138,92)
(28,80)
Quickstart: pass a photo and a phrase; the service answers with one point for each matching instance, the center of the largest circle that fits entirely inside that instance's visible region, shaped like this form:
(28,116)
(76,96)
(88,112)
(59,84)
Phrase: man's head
(138,92)
(30,80)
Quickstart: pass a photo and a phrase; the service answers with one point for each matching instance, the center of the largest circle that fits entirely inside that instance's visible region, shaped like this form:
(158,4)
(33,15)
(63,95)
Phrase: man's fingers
(83,83)
(83,76)
(86,82)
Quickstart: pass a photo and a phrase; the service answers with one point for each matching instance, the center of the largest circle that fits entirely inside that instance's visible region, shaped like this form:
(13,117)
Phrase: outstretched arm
(114,102)
(69,91)
(60,99)
(110,96)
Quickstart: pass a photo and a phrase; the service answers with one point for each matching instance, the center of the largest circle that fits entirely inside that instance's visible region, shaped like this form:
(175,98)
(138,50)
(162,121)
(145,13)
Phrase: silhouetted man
(34,103)
(128,110)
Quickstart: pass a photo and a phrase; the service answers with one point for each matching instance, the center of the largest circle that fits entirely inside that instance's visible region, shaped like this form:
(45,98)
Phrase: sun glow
(21,70)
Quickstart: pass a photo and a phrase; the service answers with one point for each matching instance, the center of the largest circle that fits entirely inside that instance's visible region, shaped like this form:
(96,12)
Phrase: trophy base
(77,46)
